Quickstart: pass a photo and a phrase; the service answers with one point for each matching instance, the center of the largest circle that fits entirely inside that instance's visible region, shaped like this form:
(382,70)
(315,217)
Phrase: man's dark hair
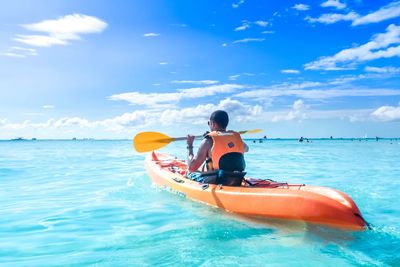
(220,117)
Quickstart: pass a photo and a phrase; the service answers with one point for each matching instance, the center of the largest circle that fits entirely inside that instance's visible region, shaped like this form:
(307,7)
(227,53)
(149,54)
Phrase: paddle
(148,141)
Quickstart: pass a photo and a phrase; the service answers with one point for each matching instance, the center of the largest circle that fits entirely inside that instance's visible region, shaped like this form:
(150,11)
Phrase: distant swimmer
(301,139)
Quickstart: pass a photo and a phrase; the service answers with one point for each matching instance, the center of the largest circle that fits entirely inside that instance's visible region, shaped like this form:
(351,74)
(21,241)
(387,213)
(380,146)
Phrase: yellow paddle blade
(148,141)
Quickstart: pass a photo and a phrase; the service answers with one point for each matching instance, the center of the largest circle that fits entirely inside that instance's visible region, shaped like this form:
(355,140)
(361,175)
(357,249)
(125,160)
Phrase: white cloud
(207,82)
(290,71)
(268,32)
(199,92)
(148,99)
(67,122)
(333,18)
(195,115)
(387,113)
(298,112)
(163,63)
(382,70)
(353,115)
(234,77)
(262,23)
(127,123)
(389,11)
(381,46)
(48,107)
(20,52)
(16,126)
(151,34)
(62,30)
(237,4)
(169,99)
(76,125)
(247,40)
(334,3)
(40,40)
(262,94)
(245,25)
(224,45)
(69,26)
(132,119)
(238,112)
(301,7)
(282,87)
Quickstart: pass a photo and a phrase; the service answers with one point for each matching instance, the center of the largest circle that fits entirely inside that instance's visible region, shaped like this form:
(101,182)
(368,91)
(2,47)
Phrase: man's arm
(194,162)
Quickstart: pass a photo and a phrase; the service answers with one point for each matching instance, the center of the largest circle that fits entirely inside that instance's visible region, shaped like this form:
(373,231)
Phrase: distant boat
(18,139)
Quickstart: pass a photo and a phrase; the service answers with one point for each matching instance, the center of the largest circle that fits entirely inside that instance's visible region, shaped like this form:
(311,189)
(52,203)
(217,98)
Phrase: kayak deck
(269,199)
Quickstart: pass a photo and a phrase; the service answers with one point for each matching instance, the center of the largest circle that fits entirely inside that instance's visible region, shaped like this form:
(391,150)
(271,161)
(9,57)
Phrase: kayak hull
(313,204)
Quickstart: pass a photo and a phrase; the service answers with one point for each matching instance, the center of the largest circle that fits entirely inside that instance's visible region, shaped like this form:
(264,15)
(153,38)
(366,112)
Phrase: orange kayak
(313,204)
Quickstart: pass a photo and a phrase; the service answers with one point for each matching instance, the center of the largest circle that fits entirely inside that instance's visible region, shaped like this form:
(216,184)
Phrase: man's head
(220,118)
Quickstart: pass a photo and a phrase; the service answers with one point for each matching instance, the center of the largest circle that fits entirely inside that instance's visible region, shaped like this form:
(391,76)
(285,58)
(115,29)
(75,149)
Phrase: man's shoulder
(206,142)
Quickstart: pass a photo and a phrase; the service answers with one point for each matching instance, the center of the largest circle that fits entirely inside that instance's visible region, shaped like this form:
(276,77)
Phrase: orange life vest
(224,143)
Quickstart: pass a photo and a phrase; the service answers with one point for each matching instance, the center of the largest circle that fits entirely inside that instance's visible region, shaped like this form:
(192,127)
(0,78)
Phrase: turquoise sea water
(91,203)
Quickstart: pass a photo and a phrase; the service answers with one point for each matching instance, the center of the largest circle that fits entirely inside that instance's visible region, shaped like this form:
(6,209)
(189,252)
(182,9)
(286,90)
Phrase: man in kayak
(220,152)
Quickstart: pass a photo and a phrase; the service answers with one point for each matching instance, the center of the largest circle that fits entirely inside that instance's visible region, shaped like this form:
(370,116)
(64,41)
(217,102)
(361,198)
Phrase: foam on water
(91,203)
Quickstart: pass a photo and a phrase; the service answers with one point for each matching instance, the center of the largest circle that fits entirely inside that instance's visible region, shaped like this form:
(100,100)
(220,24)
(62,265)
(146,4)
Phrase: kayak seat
(231,178)
(231,162)
(223,177)
(230,173)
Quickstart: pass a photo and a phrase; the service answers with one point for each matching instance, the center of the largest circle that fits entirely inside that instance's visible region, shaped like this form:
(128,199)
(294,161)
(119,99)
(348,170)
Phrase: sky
(111,69)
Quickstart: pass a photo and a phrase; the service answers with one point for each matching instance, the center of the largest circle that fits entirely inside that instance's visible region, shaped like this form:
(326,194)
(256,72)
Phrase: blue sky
(110,69)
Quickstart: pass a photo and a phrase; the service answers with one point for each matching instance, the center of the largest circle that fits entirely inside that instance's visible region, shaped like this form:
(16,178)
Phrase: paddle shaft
(199,136)
(184,138)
